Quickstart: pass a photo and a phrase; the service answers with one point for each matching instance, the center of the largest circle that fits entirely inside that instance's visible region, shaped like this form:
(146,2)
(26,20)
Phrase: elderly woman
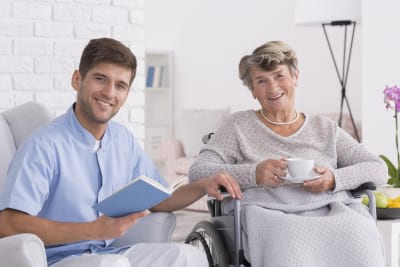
(313,223)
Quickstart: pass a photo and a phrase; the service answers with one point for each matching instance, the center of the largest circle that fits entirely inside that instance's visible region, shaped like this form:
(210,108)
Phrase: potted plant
(392,101)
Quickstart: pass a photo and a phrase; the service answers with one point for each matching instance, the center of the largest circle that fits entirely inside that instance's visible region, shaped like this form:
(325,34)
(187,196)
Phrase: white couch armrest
(157,227)
(22,250)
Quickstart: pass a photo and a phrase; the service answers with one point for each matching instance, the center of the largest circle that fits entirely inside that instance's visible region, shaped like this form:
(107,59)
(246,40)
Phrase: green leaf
(392,171)
(392,181)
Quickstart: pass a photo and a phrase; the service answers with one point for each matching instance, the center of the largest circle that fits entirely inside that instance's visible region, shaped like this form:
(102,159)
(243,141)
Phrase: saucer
(299,180)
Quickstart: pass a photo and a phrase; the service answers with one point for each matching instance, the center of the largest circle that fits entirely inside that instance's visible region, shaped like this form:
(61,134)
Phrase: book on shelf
(161,78)
(164,81)
(150,76)
(156,76)
(140,194)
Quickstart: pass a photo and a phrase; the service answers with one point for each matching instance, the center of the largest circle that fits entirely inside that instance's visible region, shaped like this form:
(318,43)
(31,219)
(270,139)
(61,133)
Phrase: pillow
(192,125)
(7,145)
(346,123)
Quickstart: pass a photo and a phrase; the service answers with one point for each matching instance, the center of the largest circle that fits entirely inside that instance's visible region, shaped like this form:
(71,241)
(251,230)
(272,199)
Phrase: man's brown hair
(107,50)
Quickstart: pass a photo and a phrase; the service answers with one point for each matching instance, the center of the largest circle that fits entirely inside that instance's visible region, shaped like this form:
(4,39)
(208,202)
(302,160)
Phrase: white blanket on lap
(335,235)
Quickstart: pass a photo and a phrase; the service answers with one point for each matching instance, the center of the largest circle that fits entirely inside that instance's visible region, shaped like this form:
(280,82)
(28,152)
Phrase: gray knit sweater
(243,141)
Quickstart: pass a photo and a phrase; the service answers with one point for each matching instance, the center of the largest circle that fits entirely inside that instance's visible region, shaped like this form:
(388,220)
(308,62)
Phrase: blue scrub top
(57,174)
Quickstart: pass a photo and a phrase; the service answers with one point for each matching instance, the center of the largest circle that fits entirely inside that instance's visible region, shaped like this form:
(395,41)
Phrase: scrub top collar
(81,133)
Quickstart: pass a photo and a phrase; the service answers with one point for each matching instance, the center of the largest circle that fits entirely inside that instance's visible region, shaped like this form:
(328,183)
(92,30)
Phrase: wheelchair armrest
(366,189)
(359,191)
(226,195)
(215,206)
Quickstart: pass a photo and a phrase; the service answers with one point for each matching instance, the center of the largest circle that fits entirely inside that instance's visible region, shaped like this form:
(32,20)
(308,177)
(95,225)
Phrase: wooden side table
(390,230)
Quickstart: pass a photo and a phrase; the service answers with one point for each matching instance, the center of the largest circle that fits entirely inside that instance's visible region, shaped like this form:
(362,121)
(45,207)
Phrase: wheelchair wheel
(206,237)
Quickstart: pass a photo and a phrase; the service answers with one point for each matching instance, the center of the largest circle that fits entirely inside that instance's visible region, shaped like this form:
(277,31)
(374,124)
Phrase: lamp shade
(316,12)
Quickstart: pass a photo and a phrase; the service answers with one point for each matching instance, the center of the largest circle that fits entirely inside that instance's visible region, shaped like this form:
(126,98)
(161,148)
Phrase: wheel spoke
(205,237)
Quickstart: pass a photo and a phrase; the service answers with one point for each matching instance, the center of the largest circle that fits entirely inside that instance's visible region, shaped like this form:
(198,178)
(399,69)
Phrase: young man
(81,157)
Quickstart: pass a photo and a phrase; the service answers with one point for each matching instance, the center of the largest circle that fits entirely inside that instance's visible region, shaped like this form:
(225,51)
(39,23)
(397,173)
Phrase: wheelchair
(220,237)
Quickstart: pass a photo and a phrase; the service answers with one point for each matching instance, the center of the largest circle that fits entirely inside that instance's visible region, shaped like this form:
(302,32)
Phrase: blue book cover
(150,76)
(140,194)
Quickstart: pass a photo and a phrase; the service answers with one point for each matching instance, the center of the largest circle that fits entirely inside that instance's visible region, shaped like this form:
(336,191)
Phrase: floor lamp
(334,13)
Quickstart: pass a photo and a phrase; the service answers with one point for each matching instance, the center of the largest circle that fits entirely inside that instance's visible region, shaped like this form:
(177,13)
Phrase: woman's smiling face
(274,90)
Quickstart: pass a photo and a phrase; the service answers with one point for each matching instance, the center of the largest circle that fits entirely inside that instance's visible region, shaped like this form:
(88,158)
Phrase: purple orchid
(392,100)
(392,96)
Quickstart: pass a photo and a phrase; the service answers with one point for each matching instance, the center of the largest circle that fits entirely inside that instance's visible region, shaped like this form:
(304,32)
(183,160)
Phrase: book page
(179,182)
(154,183)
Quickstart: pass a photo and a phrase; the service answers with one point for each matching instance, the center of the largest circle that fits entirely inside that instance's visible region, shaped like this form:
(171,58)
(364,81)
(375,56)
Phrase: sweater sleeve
(356,165)
(223,154)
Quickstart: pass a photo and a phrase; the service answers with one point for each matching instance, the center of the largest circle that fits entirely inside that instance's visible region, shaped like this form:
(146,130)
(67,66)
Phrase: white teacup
(301,168)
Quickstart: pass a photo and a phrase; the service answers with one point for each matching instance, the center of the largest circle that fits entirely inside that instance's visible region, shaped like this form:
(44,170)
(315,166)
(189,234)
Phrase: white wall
(209,38)
(41,42)
(380,57)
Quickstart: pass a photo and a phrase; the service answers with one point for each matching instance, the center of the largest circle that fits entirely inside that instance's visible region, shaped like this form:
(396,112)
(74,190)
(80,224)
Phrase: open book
(140,194)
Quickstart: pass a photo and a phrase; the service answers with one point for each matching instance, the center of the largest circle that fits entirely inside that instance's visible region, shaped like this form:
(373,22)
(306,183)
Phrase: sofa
(27,250)
(178,153)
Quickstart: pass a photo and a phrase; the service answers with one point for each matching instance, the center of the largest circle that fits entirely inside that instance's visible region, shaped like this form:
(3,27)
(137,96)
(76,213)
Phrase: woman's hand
(324,183)
(268,172)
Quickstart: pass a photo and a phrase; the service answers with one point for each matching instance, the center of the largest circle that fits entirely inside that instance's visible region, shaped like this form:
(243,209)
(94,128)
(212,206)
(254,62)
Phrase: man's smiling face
(101,93)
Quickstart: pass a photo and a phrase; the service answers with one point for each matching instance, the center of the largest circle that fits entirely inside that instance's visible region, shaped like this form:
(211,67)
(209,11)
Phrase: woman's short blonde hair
(267,57)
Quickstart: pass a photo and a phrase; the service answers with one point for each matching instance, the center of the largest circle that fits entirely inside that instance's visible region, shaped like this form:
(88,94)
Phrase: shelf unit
(159,101)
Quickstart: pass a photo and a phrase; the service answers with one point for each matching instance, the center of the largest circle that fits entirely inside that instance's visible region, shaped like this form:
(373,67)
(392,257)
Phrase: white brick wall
(41,42)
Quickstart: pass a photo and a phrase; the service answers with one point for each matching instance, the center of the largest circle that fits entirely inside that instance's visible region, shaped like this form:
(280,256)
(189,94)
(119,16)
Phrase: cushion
(183,165)
(7,146)
(347,125)
(15,125)
(192,125)
(23,119)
